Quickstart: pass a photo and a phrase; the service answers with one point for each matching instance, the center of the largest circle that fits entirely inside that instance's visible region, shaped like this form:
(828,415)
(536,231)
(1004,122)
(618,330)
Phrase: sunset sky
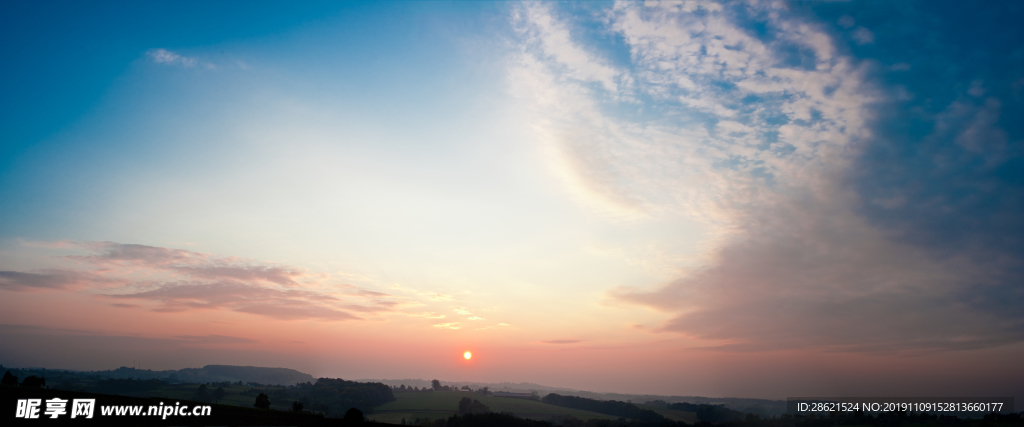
(690,198)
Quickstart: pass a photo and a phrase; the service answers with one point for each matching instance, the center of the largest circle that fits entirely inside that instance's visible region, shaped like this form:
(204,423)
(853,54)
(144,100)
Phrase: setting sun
(467,355)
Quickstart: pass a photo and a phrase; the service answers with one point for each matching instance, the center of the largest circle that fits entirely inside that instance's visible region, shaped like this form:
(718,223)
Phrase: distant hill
(244,373)
(214,373)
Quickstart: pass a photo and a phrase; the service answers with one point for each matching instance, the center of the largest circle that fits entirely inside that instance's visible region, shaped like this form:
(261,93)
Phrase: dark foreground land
(229,415)
(220,415)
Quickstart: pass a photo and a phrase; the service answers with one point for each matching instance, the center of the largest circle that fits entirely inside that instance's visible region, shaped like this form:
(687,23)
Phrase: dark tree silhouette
(9,379)
(34,381)
(353,414)
(262,401)
(218,394)
(436,385)
(201,394)
(472,406)
(610,407)
(296,406)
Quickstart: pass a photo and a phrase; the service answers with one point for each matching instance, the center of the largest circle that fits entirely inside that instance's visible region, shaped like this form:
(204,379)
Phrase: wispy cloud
(169,280)
(863,36)
(54,280)
(215,339)
(164,56)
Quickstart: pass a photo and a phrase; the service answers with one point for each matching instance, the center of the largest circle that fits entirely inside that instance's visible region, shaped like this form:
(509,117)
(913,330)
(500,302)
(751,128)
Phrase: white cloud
(555,42)
(164,56)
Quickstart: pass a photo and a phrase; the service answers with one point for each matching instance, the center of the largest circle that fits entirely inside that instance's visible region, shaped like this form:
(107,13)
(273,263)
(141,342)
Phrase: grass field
(443,404)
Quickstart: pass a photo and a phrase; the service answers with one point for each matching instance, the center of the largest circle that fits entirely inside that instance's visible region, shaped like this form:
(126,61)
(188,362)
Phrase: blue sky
(773,184)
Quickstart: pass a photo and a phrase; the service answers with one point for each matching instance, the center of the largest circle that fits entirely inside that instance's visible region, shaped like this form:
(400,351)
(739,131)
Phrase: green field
(443,404)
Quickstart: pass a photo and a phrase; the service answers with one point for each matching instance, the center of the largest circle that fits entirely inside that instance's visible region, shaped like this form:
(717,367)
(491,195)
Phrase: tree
(218,394)
(353,414)
(201,394)
(262,401)
(436,385)
(34,381)
(9,379)
(296,406)
(475,407)
(464,404)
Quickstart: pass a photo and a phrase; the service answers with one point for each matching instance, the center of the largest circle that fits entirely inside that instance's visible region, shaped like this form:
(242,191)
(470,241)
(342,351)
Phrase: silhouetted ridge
(610,407)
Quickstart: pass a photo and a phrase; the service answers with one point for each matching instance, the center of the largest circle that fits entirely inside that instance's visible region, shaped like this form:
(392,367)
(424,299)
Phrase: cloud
(278,275)
(164,56)
(175,280)
(555,41)
(863,36)
(561,341)
(774,142)
(107,253)
(847,21)
(52,280)
(214,339)
(284,304)
(453,325)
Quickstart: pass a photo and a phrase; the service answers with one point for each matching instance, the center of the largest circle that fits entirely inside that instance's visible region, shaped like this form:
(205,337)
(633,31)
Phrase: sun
(467,355)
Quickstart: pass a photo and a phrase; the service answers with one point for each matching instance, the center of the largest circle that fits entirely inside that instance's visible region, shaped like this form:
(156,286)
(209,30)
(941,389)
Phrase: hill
(212,373)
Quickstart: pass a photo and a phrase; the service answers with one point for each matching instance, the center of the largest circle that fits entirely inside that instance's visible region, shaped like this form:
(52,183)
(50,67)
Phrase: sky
(746,199)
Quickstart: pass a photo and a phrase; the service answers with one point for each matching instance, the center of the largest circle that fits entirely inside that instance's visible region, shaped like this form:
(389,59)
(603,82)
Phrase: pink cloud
(187,281)
(287,303)
(52,280)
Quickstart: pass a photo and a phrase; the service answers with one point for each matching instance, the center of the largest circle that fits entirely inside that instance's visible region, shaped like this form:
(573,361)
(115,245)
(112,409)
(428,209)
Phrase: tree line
(608,407)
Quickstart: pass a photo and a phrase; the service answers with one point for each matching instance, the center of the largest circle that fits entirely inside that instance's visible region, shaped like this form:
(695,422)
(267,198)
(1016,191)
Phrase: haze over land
(677,198)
